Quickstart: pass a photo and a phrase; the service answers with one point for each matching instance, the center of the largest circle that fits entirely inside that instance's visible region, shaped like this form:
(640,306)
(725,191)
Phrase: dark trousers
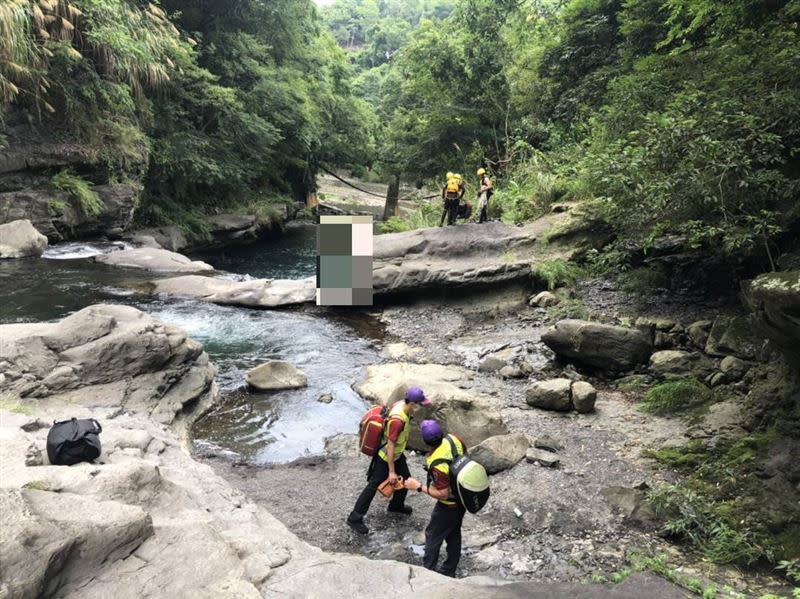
(450,210)
(379,472)
(484,215)
(445,525)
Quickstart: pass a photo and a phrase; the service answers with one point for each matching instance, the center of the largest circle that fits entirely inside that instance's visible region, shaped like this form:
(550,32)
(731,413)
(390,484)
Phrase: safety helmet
(449,175)
(481,172)
(432,433)
(457,176)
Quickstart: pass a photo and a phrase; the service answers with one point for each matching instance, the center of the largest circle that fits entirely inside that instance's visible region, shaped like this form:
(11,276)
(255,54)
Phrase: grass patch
(568,308)
(37,485)
(79,190)
(659,565)
(12,403)
(556,273)
(689,456)
(426,215)
(56,206)
(675,396)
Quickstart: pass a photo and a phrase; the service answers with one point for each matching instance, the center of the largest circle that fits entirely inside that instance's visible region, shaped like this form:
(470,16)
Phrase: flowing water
(330,347)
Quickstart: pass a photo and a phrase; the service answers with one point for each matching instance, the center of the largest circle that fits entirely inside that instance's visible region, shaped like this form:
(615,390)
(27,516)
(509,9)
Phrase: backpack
(370,431)
(464,210)
(469,483)
(453,188)
(73,441)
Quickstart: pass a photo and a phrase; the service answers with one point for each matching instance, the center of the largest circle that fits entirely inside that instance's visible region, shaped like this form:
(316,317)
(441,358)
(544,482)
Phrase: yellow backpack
(452,186)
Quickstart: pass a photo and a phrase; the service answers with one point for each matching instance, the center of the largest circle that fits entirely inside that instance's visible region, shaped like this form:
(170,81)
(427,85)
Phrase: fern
(80,190)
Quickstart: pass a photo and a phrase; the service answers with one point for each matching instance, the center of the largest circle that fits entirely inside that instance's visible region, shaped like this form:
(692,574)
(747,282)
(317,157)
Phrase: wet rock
(20,239)
(583,397)
(258,293)
(469,415)
(733,336)
(601,346)
(545,299)
(698,332)
(678,363)
(153,260)
(550,395)
(501,452)
(276,375)
(542,457)
(169,237)
(145,241)
(325,398)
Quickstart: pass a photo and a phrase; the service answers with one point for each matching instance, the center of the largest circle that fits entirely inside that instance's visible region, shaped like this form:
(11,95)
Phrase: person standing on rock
(451,194)
(484,193)
(447,515)
(389,462)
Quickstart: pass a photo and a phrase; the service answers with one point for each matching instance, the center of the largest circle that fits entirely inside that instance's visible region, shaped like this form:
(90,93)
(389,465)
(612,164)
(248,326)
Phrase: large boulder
(20,239)
(698,332)
(108,355)
(153,260)
(472,417)
(678,363)
(601,346)
(554,394)
(774,299)
(471,254)
(734,335)
(276,375)
(584,397)
(500,453)
(257,293)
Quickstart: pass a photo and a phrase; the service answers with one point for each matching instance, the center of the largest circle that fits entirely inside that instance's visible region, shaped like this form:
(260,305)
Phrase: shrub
(426,215)
(55,206)
(675,396)
(568,308)
(556,273)
(80,190)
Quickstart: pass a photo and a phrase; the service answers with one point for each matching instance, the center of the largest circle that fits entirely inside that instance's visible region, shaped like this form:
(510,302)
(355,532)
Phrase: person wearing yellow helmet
(484,193)
(451,192)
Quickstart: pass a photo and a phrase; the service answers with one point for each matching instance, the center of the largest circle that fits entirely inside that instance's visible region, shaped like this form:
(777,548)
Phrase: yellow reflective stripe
(443,452)
(397,411)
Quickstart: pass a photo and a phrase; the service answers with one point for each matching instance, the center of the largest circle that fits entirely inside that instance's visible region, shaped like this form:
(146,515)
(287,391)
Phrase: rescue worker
(447,515)
(389,462)
(451,193)
(484,193)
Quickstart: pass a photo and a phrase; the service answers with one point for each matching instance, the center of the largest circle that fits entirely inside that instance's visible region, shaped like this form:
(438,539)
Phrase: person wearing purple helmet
(448,514)
(389,462)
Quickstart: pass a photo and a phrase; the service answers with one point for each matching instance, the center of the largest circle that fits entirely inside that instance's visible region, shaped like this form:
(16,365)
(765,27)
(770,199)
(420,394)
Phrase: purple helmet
(415,395)
(432,433)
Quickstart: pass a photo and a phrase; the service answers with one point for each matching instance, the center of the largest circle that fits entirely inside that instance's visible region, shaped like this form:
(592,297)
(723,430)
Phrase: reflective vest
(397,411)
(443,453)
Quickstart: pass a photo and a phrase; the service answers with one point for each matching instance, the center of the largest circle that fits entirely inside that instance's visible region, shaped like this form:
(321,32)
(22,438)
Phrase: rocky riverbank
(146,520)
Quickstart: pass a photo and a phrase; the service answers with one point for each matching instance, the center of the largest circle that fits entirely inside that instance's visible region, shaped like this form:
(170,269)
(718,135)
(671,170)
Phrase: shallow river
(329,347)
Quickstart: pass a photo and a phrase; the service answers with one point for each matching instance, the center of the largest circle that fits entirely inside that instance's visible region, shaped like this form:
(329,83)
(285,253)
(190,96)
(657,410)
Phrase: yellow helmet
(481,172)
(449,175)
(457,176)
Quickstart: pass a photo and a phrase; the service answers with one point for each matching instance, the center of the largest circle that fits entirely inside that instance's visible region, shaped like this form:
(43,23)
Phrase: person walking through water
(484,193)
(447,515)
(389,462)
(451,193)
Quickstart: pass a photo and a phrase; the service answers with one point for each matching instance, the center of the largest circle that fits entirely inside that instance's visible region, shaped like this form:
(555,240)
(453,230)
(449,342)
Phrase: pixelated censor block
(344,261)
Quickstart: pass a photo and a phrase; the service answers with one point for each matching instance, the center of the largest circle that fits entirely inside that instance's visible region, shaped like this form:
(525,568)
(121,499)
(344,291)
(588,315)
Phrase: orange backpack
(370,431)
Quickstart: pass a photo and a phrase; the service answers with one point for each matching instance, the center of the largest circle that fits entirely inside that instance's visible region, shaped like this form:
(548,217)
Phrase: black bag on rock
(73,441)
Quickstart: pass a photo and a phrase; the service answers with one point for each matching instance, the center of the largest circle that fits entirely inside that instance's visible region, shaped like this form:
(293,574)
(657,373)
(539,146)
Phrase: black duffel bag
(73,441)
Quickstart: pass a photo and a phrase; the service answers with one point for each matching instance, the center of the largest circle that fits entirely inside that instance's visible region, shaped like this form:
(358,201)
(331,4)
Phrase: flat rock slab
(20,239)
(460,255)
(153,260)
(258,293)
(543,457)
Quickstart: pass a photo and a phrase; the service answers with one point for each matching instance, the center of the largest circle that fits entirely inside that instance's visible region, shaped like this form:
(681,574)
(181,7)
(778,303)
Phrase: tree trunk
(392,197)
(311,200)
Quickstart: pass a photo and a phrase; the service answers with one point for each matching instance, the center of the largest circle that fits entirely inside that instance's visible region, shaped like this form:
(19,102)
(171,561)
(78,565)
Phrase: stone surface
(733,335)
(325,398)
(495,361)
(547,442)
(774,299)
(584,397)
(550,395)
(20,239)
(698,332)
(542,457)
(501,452)
(276,375)
(601,346)
(401,351)
(258,293)
(659,324)
(545,299)
(469,415)
(733,368)
(448,257)
(108,355)
(153,260)
(631,502)
(680,363)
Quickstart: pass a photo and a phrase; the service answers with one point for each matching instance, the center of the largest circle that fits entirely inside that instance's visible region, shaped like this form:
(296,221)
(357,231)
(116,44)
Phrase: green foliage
(694,519)
(56,206)
(427,214)
(659,565)
(568,308)
(675,396)
(791,568)
(79,190)
(556,273)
